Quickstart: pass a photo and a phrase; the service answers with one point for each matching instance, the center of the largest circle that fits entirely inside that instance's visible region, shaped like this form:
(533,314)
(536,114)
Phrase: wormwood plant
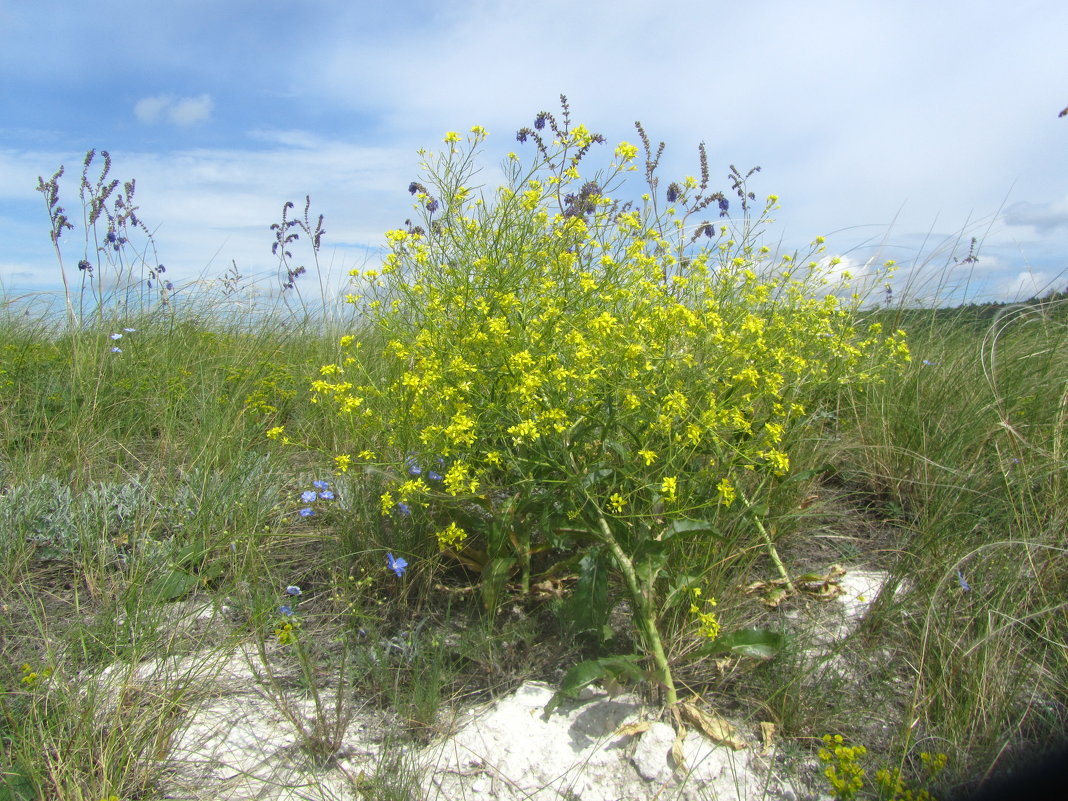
(568,374)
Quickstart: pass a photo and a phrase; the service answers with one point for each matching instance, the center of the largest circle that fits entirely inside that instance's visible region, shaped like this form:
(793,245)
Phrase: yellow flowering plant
(600,377)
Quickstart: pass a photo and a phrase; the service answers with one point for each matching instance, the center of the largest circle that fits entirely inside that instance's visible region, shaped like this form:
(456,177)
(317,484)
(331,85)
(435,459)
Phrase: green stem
(772,550)
(643,612)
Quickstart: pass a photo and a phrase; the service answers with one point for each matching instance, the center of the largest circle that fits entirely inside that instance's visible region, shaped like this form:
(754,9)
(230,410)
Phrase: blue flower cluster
(415,469)
(321,492)
(294,592)
(117,337)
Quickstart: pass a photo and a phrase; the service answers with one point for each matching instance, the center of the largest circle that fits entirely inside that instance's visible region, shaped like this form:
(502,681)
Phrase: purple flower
(286,610)
(433,476)
(321,485)
(306,512)
(326,495)
(404,509)
(413,467)
(398,566)
(308,496)
(293,589)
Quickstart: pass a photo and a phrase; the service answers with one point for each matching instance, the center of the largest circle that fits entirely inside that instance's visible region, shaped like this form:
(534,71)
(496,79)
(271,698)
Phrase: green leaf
(494,576)
(171,586)
(588,606)
(690,527)
(681,584)
(596,476)
(756,643)
(17,787)
(805,475)
(586,673)
(650,560)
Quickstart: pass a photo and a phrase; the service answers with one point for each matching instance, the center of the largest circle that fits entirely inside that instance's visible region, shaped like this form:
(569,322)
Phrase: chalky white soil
(237,744)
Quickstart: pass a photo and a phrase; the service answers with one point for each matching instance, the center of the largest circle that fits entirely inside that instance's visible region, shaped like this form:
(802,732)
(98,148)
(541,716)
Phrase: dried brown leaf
(715,728)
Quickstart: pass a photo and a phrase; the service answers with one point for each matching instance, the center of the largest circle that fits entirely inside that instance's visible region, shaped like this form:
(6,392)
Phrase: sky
(897,129)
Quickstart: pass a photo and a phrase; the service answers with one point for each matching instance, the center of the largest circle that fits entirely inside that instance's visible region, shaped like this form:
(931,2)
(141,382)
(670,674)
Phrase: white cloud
(180,111)
(1043,217)
(189,110)
(1025,284)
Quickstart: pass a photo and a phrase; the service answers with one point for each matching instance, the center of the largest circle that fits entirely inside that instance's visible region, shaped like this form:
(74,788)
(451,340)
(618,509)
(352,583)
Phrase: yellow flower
(727,493)
(451,537)
(617,502)
(708,624)
(286,634)
(452,136)
(342,461)
(668,488)
(626,151)
(276,432)
(648,456)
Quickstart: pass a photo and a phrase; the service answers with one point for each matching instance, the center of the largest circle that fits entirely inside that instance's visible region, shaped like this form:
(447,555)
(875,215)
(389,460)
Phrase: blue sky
(895,129)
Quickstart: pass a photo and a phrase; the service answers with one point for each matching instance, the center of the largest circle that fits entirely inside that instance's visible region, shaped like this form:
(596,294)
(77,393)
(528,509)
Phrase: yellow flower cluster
(708,623)
(531,338)
(843,770)
(452,537)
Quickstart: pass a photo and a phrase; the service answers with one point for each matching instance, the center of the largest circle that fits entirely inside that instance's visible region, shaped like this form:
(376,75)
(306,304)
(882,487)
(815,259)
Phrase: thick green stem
(772,550)
(643,611)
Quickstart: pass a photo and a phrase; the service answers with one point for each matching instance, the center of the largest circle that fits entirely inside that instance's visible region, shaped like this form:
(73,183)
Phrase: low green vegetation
(569,431)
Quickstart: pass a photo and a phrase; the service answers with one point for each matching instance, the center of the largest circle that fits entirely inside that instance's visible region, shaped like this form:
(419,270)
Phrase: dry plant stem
(643,610)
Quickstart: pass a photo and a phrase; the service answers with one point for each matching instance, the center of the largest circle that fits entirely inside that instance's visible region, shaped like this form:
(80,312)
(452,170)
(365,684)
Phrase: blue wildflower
(116,336)
(404,509)
(293,589)
(116,350)
(964,585)
(308,496)
(306,512)
(434,476)
(321,485)
(398,566)
(929,363)
(413,467)
(129,330)
(326,495)
(286,609)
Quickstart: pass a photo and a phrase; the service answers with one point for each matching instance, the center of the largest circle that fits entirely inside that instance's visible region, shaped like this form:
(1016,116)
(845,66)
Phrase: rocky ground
(241,740)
